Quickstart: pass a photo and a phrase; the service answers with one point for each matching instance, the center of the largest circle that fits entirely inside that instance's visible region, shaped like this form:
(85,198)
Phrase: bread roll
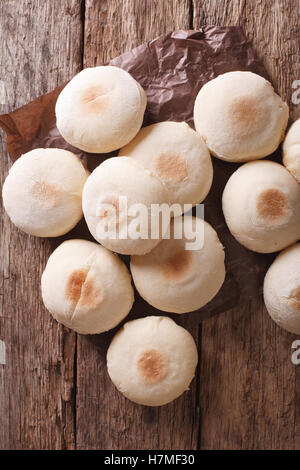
(109,196)
(178,156)
(282,289)
(240,117)
(86,287)
(173,279)
(42,192)
(291,150)
(261,205)
(100,109)
(152,360)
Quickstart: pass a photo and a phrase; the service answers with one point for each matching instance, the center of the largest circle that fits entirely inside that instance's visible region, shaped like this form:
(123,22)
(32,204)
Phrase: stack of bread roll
(87,287)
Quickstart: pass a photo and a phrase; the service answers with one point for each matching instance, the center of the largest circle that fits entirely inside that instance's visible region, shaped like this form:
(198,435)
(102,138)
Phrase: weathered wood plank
(40,48)
(117,26)
(105,419)
(273,28)
(249,389)
(249,392)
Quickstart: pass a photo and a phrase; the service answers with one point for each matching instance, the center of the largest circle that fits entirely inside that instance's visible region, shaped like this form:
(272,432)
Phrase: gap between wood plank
(191,14)
(198,375)
(197,411)
(83,31)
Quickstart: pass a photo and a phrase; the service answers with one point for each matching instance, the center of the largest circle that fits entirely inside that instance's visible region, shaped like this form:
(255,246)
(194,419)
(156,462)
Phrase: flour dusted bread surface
(118,184)
(100,109)
(240,117)
(178,156)
(173,279)
(42,192)
(291,150)
(261,205)
(86,287)
(282,289)
(152,360)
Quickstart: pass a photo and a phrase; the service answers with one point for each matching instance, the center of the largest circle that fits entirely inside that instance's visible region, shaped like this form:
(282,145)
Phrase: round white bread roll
(282,289)
(100,109)
(291,150)
(174,279)
(178,156)
(240,117)
(152,360)
(86,287)
(42,192)
(261,205)
(109,199)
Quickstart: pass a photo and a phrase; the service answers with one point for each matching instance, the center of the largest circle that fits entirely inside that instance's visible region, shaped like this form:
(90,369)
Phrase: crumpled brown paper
(171,68)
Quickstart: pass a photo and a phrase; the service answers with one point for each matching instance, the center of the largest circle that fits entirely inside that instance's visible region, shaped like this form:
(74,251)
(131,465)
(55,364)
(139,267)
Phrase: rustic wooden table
(54,389)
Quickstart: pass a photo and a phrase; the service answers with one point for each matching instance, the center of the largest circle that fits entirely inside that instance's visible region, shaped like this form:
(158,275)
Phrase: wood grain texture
(40,48)
(105,419)
(272,26)
(249,388)
(113,27)
(248,383)
(56,395)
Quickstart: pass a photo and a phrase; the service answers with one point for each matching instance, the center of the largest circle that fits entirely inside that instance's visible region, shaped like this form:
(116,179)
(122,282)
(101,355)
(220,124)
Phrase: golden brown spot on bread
(74,285)
(176,266)
(246,112)
(44,192)
(151,366)
(272,205)
(171,167)
(110,208)
(295,298)
(82,291)
(93,99)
